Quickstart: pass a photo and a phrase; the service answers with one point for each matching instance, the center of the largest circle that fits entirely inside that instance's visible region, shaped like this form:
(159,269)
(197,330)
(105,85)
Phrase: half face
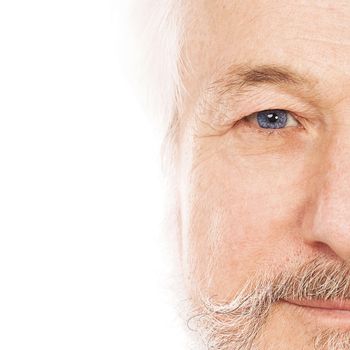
(264,158)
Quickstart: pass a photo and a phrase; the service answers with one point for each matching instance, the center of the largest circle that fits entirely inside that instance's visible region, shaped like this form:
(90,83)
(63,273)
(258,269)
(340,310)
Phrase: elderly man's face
(264,159)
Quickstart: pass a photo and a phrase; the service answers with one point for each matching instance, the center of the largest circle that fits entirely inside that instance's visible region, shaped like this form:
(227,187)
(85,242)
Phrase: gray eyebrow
(239,76)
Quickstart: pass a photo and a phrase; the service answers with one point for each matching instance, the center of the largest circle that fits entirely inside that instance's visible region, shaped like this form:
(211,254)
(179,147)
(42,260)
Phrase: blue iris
(272,118)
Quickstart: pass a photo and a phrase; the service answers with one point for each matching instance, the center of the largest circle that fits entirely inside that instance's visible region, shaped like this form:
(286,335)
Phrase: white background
(80,186)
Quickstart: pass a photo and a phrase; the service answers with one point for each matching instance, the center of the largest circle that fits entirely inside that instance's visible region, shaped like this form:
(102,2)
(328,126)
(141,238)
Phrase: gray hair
(159,39)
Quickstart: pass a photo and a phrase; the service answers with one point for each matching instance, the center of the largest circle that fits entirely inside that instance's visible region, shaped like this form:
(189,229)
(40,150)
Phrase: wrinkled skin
(253,201)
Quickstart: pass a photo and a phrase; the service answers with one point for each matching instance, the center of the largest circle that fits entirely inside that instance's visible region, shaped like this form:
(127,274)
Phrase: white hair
(159,40)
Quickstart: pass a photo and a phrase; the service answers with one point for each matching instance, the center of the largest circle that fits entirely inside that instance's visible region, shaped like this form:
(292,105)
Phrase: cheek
(240,213)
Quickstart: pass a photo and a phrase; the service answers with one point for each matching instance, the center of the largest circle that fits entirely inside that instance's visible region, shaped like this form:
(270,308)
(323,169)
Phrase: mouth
(332,313)
(335,305)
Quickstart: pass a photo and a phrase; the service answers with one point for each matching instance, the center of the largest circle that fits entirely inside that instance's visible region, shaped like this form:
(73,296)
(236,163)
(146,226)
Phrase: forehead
(311,37)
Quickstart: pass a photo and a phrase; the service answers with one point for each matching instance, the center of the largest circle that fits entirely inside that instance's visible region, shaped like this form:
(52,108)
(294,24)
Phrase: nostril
(321,248)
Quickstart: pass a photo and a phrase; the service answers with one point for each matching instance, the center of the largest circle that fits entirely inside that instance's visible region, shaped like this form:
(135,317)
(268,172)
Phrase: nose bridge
(335,189)
(332,216)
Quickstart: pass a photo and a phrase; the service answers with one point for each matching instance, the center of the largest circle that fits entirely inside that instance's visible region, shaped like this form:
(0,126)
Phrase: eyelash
(271,131)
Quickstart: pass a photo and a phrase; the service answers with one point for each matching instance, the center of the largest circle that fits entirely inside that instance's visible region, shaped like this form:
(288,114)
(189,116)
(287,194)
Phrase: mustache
(237,323)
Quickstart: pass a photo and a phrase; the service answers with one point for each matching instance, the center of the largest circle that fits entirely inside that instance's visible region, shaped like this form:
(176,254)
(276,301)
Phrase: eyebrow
(240,76)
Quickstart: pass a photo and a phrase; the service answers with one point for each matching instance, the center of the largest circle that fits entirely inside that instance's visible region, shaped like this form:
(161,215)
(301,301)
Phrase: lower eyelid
(256,129)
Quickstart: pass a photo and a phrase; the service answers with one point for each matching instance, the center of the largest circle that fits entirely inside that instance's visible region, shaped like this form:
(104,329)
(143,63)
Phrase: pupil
(273,117)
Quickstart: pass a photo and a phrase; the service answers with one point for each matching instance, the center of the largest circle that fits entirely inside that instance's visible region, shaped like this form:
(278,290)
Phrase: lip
(328,313)
(326,305)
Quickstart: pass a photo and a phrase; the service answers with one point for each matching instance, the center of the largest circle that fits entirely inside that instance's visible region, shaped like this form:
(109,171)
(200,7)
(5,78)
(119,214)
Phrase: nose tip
(331,229)
(329,213)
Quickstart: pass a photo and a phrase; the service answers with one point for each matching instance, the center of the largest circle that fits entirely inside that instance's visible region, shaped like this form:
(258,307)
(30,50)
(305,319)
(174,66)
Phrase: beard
(237,324)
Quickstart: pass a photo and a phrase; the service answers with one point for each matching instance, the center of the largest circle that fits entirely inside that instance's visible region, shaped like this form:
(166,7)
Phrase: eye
(274,119)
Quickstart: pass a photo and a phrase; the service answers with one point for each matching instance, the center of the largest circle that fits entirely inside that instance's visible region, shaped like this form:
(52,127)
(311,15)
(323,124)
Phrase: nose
(330,218)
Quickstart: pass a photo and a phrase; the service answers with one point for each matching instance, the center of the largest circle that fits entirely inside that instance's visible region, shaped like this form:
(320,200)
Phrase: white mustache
(236,324)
